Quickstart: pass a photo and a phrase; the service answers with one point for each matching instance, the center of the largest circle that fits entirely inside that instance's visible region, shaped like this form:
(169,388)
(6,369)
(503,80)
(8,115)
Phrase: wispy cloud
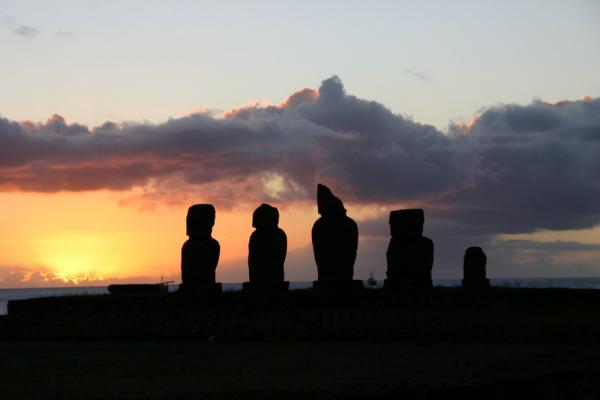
(419,75)
(28,277)
(65,33)
(19,29)
(26,31)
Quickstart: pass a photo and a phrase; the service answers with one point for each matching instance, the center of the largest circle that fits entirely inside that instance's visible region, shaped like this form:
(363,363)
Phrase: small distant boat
(371,281)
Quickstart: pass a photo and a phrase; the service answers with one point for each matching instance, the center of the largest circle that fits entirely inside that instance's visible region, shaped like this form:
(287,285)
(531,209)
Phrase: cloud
(538,166)
(26,31)
(419,75)
(513,169)
(13,277)
(532,258)
(65,33)
(18,29)
(557,246)
(30,277)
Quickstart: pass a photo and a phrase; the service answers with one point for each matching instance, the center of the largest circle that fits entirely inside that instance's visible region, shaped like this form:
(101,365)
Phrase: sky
(115,116)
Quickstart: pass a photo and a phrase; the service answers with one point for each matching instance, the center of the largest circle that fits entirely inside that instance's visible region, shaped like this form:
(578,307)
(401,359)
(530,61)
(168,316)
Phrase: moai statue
(409,254)
(200,253)
(474,269)
(266,251)
(335,241)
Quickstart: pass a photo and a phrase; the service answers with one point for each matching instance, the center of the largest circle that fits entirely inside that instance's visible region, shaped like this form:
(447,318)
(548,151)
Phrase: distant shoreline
(536,280)
(7,294)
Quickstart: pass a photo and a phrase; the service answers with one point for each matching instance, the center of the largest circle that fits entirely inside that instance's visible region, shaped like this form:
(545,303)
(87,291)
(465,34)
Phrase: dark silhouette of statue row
(409,254)
(335,242)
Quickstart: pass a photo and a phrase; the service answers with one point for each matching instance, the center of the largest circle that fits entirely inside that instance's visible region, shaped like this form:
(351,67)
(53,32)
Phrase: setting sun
(80,257)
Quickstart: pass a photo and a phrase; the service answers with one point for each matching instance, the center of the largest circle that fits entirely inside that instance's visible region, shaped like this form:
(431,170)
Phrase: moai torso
(409,254)
(267,247)
(334,238)
(200,253)
(199,259)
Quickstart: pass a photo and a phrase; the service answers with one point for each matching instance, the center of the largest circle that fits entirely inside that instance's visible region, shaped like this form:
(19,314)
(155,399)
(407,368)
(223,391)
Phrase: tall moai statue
(334,240)
(474,269)
(266,251)
(409,254)
(200,253)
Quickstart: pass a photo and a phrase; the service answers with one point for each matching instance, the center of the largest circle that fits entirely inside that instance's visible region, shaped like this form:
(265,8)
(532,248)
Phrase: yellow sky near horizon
(93,235)
(89,236)
(79,234)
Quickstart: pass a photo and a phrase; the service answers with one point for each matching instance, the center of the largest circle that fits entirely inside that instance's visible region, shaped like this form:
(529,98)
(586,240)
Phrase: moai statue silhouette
(409,254)
(474,276)
(334,239)
(266,250)
(200,253)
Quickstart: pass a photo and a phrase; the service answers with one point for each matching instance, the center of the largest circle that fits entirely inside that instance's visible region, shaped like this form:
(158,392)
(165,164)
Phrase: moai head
(265,216)
(407,223)
(200,220)
(475,258)
(328,205)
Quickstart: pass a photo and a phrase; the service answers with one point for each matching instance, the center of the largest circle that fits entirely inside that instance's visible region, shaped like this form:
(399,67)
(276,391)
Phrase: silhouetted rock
(265,287)
(200,253)
(138,289)
(409,254)
(334,239)
(339,286)
(474,269)
(266,251)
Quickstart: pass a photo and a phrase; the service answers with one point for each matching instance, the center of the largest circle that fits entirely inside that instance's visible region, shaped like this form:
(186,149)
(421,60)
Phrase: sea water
(7,295)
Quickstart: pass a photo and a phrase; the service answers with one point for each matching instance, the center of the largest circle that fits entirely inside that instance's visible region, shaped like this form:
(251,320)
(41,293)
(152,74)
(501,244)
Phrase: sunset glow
(110,130)
(88,237)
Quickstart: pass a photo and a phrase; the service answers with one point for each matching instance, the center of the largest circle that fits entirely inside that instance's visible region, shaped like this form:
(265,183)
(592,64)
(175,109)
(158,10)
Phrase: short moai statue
(266,251)
(474,275)
(409,254)
(335,242)
(200,253)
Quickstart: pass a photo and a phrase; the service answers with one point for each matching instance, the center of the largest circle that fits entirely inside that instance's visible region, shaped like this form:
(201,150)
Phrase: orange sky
(94,238)
(75,237)
(79,234)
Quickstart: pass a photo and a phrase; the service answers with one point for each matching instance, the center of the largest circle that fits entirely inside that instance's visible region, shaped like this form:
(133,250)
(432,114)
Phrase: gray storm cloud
(515,169)
(538,166)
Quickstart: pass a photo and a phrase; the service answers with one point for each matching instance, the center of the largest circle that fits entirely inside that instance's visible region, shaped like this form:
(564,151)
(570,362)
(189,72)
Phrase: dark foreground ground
(299,370)
(524,343)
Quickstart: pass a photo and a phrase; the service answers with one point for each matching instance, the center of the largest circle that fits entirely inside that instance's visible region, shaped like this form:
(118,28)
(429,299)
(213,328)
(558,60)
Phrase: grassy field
(313,370)
(534,343)
(446,314)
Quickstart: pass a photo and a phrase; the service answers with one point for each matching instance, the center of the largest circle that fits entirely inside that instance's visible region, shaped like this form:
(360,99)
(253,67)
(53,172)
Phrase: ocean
(7,295)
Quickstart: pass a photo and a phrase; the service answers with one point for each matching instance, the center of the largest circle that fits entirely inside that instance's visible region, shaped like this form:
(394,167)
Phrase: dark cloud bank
(515,169)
